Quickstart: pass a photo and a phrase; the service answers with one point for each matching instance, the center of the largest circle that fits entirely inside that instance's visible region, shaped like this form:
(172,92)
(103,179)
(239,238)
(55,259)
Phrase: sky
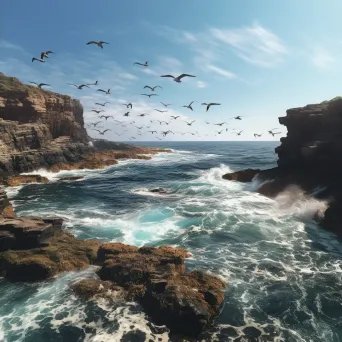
(257,58)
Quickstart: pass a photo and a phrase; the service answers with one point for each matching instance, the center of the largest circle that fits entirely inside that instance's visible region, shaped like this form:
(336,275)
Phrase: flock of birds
(163,133)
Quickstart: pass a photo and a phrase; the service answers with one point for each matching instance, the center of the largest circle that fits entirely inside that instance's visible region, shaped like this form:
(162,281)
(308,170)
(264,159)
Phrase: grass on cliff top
(8,83)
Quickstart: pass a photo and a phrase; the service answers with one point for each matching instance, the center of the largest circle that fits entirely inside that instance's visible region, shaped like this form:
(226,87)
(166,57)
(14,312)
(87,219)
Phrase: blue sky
(256,58)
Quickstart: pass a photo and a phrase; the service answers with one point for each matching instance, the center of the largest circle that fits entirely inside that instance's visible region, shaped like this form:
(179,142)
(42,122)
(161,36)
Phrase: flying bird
(158,138)
(239,133)
(99,44)
(210,104)
(40,85)
(102,104)
(128,105)
(126,114)
(103,132)
(257,135)
(274,133)
(219,132)
(161,111)
(175,117)
(149,95)
(80,87)
(106,116)
(45,54)
(220,124)
(95,83)
(143,114)
(104,91)
(237,117)
(190,123)
(153,88)
(165,104)
(271,131)
(178,78)
(142,64)
(152,132)
(139,127)
(97,111)
(95,123)
(208,123)
(41,60)
(189,105)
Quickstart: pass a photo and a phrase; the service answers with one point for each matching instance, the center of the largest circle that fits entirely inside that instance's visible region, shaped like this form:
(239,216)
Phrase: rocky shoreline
(309,159)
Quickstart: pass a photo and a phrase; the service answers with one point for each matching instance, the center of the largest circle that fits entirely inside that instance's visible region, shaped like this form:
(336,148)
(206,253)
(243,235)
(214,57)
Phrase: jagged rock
(244,176)
(62,253)
(156,277)
(24,179)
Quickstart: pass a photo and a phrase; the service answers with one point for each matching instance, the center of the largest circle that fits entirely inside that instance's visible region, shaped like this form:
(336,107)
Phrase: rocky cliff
(310,157)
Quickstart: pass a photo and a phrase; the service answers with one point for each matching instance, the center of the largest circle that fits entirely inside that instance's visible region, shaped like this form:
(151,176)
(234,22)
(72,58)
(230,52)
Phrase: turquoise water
(283,273)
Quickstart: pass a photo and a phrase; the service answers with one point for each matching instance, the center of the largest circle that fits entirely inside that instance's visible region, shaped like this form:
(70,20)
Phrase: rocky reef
(309,157)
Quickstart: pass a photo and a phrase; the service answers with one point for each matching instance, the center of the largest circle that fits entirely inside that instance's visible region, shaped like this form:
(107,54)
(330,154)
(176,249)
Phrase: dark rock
(7,240)
(159,191)
(242,176)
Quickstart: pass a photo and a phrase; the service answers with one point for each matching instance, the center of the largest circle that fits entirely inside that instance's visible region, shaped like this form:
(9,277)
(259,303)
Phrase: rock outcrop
(310,157)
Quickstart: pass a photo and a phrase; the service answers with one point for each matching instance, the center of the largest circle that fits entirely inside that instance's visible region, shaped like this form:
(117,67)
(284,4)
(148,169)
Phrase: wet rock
(24,179)
(63,253)
(242,176)
(159,191)
(156,277)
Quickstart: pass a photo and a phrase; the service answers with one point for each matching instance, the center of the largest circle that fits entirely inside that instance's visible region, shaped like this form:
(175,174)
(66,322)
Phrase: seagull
(143,114)
(139,127)
(220,124)
(237,117)
(210,104)
(165,104)
(97,111)
(128,105)
(41,60)
(103,132)
(238,133)
(190,123)
(126,114)
(219,132)
(161,111)
(102,104)
(158,138)
(178,78)
(175,117)
(208,123)
(106,116)
(160,122)
(40,84)
(153,88)
(257,135)
(274,133)
(80,87)
(95,123)
(189,105)
(271,131)
(95,83)
(45,54)
(166,133)
(152,132)
(119,134)
(142,64)
(149,95)
(104,91)
(99,44)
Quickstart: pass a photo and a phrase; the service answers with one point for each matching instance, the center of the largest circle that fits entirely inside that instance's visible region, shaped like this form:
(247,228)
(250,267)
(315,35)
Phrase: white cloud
(220,71)
(201,84)
(254,44)
(7,45)
(321,58)
(127,76)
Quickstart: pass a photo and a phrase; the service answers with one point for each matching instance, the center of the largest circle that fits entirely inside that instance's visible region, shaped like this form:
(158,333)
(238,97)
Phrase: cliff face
(29,104)
(38,128)
(314,137)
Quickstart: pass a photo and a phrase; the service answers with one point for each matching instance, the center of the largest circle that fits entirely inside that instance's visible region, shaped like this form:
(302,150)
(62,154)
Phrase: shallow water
(284,274)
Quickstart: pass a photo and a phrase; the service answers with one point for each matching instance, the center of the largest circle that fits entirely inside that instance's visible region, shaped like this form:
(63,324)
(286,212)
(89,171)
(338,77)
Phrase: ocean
(283,273)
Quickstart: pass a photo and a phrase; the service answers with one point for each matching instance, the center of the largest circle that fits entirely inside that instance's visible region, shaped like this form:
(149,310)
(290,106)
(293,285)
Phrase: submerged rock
(159,191)
(244,176)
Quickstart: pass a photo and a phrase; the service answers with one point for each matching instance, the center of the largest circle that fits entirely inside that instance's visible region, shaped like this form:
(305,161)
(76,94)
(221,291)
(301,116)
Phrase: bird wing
(33,82)
(43,84)
(167,76)
(42,55)
(101,90)
(146,86)
(92,42)
(48,52)
(214,104)
(184,75)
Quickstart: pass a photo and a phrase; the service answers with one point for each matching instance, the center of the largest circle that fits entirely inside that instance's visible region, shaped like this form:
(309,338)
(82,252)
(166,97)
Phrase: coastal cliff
(309,157)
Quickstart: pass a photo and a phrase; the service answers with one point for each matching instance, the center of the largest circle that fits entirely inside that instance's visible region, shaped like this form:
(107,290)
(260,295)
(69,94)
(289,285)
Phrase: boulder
(243,176)
(24,179)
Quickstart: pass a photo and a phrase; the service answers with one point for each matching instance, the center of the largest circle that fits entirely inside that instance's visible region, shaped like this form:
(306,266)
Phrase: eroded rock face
(24,179)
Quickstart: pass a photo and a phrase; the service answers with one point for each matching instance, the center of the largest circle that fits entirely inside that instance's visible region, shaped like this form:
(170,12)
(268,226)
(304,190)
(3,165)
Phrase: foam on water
(283,273)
